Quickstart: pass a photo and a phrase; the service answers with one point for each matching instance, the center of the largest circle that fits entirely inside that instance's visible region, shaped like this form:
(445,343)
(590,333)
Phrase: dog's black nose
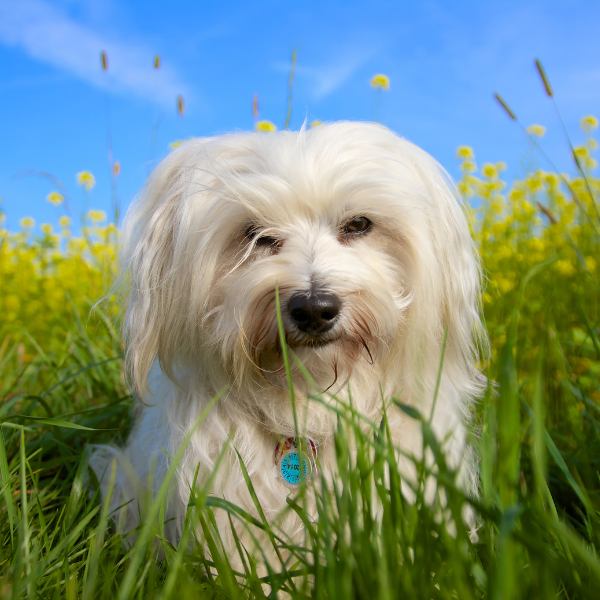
(315,312)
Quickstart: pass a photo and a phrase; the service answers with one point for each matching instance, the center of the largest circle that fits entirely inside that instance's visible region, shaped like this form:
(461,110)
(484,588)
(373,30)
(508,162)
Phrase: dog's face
(355,234)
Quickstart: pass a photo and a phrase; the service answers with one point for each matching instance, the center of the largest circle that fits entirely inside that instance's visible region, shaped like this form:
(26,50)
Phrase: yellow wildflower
(468,166)
(590,263)
(175,144)
(380,82)
(589,122)
(46,228)
(463,188)
(552,180)
(55,198)
(504,284)
(11,302)
(516,194)
(534,183)
(489,170)
(64,221)
(265,126)
(96,216)
(536,245)
(86,180)
(592,143)
(497,204)
(315,123)
(564,267)
(465,152)
(27,222)
(501,166)
(536,130)
(581,152)
(116,168)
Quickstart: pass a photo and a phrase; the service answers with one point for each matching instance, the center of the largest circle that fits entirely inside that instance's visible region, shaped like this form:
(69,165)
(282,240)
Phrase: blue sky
(445,59)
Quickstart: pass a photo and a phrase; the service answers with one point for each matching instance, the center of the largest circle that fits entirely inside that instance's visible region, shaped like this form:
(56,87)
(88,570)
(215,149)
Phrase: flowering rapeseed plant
(86,180)
(266,126)
(380,81)
(55,198)
(536,130)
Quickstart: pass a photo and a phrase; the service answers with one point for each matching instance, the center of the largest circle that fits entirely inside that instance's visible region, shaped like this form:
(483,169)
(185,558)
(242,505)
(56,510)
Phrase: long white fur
(201,316)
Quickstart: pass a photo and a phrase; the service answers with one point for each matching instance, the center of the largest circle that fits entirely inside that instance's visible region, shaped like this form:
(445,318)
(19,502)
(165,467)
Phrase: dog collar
(295,460)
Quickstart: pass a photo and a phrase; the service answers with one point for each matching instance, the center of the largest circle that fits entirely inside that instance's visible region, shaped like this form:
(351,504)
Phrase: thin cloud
(48,35)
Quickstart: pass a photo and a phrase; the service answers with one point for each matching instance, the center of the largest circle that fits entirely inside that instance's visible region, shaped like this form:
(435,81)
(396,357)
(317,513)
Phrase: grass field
(538,435)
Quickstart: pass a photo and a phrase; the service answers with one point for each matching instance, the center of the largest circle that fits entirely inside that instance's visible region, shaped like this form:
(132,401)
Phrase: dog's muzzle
(315,312)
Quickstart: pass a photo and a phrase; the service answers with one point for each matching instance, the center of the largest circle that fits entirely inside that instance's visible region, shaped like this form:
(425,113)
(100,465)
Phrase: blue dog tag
(293,468)
(293,464)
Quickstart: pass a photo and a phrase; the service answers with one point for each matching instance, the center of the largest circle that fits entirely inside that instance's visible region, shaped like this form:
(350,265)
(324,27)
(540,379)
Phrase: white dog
(360,237)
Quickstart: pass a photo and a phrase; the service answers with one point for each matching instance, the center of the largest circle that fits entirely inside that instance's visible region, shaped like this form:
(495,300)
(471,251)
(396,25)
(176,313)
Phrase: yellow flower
(46,228)
(516,194)
(552,180)
(497,204)
(536,245)
(504,284)
(464,152)
(564,267)
(64,221)
(265,126)
(501,166)
(116,168)
(592,144)
(175,144)
(55,198)
(468,166)
(536,130)
(489,170)
(27,222)
(11,302)
(589,123)
(380,82)
(96,216)
(86,180)
(590,263)
(534,183)
(315,123)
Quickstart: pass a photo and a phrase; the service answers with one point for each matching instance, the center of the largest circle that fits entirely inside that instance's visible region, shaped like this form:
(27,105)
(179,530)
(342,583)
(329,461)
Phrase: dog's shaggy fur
(347,213)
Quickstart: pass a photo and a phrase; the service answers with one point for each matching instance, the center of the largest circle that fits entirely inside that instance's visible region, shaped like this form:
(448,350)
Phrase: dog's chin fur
(202,304)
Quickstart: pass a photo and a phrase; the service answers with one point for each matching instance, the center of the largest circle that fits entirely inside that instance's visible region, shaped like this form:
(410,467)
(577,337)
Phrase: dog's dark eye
(262,241)
(356,226)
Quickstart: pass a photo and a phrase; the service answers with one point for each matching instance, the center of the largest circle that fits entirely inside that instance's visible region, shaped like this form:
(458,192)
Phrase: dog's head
(354,232)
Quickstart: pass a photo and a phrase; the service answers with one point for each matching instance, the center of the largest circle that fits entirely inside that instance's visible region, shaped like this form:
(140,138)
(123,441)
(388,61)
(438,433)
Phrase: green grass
(538,510)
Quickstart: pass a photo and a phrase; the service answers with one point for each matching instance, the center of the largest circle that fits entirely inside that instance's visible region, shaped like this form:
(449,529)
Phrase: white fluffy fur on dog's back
(226,221)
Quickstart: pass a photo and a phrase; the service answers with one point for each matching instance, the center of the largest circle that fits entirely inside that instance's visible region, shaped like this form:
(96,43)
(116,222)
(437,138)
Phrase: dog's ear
(157,257)
(453,283)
